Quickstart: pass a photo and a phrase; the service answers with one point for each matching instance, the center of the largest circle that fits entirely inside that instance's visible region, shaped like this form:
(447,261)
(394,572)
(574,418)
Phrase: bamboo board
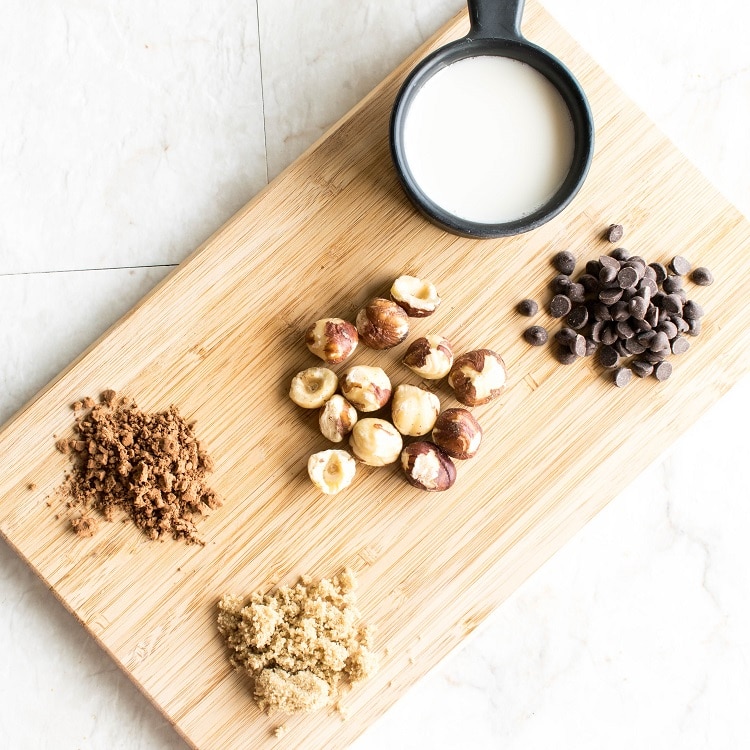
(221,338)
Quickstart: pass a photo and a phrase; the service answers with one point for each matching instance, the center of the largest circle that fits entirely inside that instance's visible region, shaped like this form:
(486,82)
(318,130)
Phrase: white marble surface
(130,131)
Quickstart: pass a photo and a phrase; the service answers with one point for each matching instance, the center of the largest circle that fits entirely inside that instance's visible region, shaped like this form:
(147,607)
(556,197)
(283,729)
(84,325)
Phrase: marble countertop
(130,131)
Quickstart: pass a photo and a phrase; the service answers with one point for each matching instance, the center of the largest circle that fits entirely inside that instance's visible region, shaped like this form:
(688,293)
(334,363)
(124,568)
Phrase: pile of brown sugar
(299,642)
(149,465)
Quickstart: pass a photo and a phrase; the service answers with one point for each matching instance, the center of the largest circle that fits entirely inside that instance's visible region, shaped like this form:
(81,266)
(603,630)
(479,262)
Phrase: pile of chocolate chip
(632,314)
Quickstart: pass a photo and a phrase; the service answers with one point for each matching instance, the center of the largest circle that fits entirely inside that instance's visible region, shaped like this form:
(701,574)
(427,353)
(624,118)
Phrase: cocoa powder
(150,465)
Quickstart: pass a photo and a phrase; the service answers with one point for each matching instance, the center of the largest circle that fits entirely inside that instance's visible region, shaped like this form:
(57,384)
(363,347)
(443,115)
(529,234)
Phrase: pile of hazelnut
(476,378)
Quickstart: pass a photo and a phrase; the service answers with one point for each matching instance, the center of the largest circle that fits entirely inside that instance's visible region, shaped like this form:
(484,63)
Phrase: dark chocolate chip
(702,276)
(615,233)
(578,347)
(623,375)
(565,336)
(659,343)
(692,310)
(596,331)
(536,335)
(620,311)
(672,304)
(624,330)
(528,307)
(640,325)
(559,306)
(560,284)
(591,347)
(593,267)
(672,284)
(663,370)
(660,270)
(634,346)
(627,277)
(601,311)
(649,273)
(607,261)
(607,275)
(654,357)
(564,262)
(620,348)
(652,316)
(637,307)
(609,334)
(610,296)
(648,287)
(646,337)
(608,356)
(564,355)
(695,326)
(620,253)
(590,283)
(680,345)
(576,293)
(668,327)
(681,324)
(641,368)
(680,265)
(577,317)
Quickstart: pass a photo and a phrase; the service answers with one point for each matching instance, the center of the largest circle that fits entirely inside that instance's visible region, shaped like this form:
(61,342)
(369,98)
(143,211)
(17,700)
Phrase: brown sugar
(298,643)
(149,465)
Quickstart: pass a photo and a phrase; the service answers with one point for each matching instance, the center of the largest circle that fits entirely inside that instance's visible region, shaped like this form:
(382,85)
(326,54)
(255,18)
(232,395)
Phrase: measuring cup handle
(495,18)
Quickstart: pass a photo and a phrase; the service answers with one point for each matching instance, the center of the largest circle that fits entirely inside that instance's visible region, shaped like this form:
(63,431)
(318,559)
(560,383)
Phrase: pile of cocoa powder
(149,465)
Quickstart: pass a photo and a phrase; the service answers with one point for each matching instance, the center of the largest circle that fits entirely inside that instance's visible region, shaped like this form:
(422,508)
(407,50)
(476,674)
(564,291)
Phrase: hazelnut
(332,339)
(457,433)
(382,324)
(431,357)
(414,410)
(366,388)
(312,387)
(428,467)
(418,298)
(337,417)
(375,441)
(477,377)
(331,471)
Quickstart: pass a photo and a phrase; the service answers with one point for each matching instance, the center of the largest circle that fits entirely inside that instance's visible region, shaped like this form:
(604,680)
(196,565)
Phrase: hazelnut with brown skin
(430,357)
(477,377)
(366,388)
(419,298)
(382,324)
(375,442)
(427,467)
(458,433)
(332,339)
(337,418)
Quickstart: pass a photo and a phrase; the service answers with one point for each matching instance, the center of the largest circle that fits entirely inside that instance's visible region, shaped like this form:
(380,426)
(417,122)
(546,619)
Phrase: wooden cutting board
(221,338)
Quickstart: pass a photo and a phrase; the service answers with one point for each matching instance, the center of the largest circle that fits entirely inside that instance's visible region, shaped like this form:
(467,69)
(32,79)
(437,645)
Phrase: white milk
(489,139)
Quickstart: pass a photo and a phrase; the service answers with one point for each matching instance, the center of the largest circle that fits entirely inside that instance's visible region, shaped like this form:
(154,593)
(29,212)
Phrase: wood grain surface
(222,336)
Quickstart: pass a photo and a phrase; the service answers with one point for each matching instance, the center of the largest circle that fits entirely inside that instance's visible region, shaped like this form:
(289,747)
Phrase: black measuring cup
(495,30)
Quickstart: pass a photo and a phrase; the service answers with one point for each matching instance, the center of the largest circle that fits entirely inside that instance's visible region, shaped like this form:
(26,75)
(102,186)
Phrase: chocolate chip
(609,334)
(647,288)
(615,232)
(654,357)
(620,348)
(559,306)
(702,276)
(596,331)
(649,273)
(680,345)
(623,375)
(637,307)
(668,327)
(577,317)
(625,331)
(680,265)
(646,337)
(607,275)
(564,262)
(578,347)
(601,311)
(560,284)
(634,346)
(564,355)
(627,277)
(659,343)
(608,356)
(640,325)
(692,311)
(660,271)
(591,347)
(620,311)
(672,304)
(620,253)
(695,326)
(607,261)
(590,283)
(536,335)
(610,296)
(528,307)
(672,284)
(576,293)
(663,370)
(565,336)
(641,368)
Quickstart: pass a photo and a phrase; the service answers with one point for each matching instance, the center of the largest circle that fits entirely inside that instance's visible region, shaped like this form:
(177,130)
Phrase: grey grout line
(262,92)
(87,270)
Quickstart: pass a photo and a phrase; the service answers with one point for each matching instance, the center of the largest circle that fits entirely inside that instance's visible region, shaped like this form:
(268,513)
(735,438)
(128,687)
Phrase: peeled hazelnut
(366,388)
(337,418)
(457,433)
(430,357)
(382,324)
(332,339)
(418,298)
(428,467)
(414,410)
(312,387)
(477,377)
(331,471)
(375,441)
